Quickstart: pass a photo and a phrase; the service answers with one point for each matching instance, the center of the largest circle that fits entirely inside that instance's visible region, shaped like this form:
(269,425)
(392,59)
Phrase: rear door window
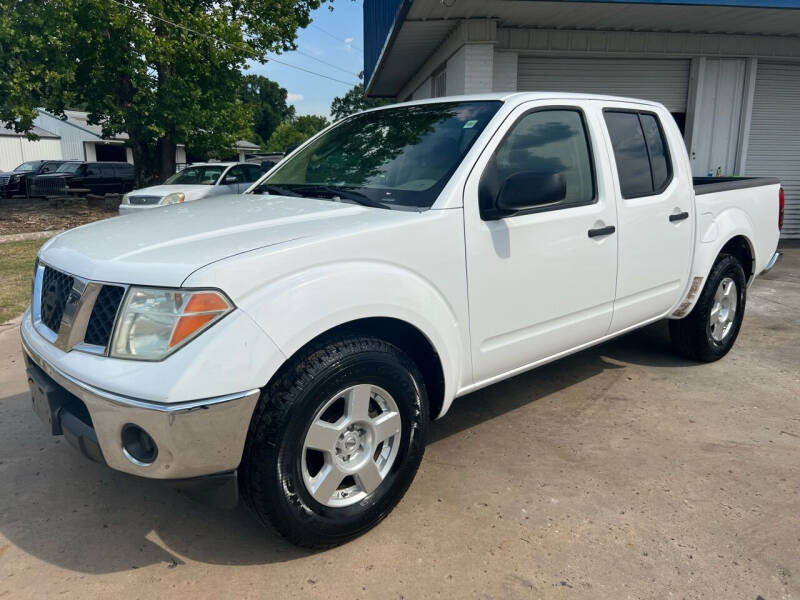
(640,153)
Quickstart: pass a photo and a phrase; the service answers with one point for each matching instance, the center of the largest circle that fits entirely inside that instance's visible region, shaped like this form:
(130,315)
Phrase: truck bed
(709,185)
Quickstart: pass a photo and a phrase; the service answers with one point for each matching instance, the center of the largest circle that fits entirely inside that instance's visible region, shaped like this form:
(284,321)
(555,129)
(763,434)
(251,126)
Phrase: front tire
(335,440)
(708,332)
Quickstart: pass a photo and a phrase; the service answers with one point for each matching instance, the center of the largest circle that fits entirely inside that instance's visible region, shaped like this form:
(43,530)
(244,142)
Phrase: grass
(16,273)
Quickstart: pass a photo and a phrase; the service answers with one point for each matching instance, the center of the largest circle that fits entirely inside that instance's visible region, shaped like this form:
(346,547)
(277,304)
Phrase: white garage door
(774,147)
(662,80)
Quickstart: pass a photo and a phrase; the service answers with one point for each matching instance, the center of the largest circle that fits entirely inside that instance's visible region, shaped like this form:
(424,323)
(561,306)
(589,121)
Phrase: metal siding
(10,152)
(662,80)
(379,16)
(72,137)
(15,150)
(774,145)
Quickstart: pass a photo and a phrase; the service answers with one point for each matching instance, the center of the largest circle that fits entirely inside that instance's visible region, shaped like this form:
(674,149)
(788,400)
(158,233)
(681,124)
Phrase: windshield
(395,156)
(69,167)
(28,166)
(201,175)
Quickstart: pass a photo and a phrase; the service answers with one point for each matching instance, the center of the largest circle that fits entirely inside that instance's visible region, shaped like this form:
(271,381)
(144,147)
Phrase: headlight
(173,198)
(125,199)
(13,179)
(155,322)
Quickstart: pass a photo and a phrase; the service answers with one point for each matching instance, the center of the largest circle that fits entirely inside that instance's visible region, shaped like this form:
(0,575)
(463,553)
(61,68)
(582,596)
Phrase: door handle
(608,230)
(678,217)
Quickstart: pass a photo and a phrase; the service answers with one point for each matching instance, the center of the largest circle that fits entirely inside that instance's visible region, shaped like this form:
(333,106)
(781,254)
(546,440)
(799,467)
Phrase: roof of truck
(524,96)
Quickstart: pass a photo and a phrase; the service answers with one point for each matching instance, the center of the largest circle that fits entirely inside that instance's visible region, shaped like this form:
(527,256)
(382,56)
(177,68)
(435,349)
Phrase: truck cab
(293,342)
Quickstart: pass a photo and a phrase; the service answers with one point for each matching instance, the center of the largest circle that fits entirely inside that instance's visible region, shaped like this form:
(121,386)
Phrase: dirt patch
(23,215)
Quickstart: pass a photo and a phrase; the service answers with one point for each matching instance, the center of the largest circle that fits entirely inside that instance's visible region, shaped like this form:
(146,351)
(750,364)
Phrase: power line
(228,44)
(336,37)
(312,57)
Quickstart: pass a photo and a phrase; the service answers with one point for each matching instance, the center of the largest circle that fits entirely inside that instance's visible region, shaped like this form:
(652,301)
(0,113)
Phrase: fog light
(137,445)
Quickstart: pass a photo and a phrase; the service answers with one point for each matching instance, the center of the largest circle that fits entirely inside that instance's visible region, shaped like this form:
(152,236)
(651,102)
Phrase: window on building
(640,152)
(439,83)
(544,141)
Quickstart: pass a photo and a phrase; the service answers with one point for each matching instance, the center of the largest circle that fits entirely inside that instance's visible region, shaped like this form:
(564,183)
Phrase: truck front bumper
(190,439)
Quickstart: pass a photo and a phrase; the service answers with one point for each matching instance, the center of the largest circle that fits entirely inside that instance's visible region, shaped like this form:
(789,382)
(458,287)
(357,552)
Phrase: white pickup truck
(291,344)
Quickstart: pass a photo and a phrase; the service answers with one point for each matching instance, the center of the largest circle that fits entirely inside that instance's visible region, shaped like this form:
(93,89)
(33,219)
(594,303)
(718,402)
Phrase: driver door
(541,281)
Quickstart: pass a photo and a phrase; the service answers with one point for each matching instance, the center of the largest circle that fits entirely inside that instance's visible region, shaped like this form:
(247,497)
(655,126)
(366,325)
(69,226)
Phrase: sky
(334,36)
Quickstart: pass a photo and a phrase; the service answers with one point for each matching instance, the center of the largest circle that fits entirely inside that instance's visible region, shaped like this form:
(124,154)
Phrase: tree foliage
(294,132)
(355,101)
(268,102)
(137,72)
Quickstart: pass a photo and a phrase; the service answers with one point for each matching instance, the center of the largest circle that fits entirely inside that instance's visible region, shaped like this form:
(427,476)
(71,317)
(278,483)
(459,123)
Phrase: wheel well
(409,339)
(739,247)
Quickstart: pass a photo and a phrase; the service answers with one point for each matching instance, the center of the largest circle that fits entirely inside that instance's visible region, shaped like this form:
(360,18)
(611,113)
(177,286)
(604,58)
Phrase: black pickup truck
(15,183)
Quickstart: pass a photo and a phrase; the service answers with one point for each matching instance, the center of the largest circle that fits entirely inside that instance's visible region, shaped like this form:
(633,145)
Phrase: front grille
(104,312)
(48,186)
(4,179)
(55,292)
(143,200)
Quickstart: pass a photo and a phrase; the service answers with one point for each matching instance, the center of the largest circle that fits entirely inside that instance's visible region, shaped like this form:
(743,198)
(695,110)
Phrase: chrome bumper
(772,262)
(194,438)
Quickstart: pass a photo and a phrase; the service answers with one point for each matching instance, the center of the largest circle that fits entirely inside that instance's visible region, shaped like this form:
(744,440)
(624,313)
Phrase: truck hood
(163,246)
(193,192)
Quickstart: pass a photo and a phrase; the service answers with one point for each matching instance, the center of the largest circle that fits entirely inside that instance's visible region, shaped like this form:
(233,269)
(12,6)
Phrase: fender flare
(300,307)
(713,234)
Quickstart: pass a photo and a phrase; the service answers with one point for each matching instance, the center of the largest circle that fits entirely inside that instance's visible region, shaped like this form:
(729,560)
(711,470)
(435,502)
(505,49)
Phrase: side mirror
(230,180)
(526,190)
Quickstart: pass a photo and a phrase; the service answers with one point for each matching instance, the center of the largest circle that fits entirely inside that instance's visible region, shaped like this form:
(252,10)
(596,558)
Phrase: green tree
(285,136)
(310,124)
(164,72)
(268,102)
(294,132)
(355,101)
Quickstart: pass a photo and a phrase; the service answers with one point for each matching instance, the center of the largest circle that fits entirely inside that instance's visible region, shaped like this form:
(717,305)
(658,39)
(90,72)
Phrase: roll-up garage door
(774,146)
(662,80)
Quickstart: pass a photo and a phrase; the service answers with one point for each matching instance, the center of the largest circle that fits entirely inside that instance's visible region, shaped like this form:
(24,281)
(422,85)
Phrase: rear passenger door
(110,182)
(93,178)
(655,214)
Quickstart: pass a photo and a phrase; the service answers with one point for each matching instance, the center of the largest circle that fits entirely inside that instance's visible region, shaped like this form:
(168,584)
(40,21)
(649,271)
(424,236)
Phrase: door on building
(110,152)
(772,150)
(717,121)
(662,80)
(539,285)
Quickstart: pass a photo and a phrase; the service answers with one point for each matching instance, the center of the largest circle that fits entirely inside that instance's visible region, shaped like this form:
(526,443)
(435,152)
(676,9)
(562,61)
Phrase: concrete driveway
(621,472)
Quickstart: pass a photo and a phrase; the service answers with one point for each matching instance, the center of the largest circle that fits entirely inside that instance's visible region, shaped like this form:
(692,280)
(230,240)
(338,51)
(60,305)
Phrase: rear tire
(350,408)
(708,332)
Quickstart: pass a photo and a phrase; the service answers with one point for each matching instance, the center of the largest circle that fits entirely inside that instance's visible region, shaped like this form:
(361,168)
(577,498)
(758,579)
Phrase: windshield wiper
(345,194)
(280,190)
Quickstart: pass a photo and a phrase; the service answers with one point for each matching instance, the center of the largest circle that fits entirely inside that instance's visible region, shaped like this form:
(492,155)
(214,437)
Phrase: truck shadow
(649,346)
(84,517)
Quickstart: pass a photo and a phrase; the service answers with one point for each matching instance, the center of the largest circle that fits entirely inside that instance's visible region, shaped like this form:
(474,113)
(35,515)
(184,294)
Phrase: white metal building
(728,70)
(16,148)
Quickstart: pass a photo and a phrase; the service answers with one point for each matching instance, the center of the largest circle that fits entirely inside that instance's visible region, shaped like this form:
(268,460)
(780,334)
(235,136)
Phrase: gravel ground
(35,215)
(620,472)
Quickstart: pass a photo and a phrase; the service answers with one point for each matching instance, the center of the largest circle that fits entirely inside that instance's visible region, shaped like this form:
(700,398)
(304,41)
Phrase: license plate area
(47,398)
